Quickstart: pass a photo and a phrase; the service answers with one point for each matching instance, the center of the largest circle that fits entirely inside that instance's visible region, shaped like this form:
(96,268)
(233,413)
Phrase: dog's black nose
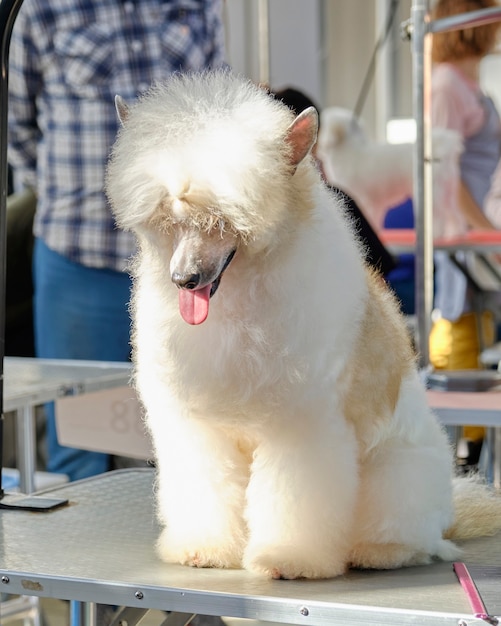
(186,281)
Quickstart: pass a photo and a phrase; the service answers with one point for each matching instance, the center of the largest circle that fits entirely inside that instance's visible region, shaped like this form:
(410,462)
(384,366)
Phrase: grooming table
(479,408)
(30,382)
(100,549)
(464,408)
(400,240)
(480,243)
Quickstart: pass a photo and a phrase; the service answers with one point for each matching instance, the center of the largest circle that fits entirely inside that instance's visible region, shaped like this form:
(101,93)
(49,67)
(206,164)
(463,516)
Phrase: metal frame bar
(421,172)
(26,448)
(264,41)
(470,19)
(8,13)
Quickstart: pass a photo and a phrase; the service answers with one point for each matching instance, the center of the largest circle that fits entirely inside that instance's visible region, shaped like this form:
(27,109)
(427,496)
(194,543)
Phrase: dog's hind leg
(202,477)
(300,500)
(405,504)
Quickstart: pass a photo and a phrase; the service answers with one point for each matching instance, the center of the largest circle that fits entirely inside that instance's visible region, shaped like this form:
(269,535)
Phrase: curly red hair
(455,45)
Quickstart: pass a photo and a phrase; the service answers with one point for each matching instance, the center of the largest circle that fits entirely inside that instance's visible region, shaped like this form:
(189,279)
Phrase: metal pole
(464,20)
(26,449)
(422,182)
(8,13)
(496,467)
(385,83)
(264,41)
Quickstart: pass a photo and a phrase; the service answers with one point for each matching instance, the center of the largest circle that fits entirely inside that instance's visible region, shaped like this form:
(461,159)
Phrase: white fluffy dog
(379,175)
(291,430)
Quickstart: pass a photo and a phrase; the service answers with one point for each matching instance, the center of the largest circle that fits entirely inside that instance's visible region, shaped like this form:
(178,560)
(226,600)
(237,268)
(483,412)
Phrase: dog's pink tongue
(194,305)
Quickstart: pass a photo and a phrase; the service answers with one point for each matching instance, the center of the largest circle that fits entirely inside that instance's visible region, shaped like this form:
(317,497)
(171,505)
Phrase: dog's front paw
(289,563)
(198,555)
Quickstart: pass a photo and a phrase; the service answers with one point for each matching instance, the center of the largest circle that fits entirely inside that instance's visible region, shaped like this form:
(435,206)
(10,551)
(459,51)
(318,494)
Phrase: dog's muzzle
(194,298)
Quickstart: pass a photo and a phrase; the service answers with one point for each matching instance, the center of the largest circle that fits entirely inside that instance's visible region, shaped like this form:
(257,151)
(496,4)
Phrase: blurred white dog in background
(291,430)
(379,175)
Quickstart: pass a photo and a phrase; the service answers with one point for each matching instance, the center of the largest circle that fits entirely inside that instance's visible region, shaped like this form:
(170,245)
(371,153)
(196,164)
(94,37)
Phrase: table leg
(88,613)
(454,434)
(496,461)
(21,608)
(26,448)
(490,459)
(130,616)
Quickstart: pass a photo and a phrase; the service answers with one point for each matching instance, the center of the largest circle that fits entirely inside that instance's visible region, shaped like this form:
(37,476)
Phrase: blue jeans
(79,313)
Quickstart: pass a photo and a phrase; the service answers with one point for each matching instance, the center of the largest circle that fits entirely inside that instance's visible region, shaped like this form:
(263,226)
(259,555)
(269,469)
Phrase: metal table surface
(29,382)
(100,548)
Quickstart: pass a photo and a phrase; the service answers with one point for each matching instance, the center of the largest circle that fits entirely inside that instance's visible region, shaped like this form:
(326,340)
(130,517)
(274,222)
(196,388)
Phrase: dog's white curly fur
(291,430)
(379,175)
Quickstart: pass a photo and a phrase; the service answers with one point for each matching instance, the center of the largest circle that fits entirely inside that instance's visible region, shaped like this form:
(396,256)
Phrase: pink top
(458,103)
(455,101)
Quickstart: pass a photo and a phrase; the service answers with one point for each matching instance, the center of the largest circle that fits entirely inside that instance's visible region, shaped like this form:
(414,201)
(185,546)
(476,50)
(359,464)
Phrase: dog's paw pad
(194,554)
(196,560)
(288,565)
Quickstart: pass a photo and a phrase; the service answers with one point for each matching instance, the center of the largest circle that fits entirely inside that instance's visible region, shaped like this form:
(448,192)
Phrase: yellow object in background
(456,346)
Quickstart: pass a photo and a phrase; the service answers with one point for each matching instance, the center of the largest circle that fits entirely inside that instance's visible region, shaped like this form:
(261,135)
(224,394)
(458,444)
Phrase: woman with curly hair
(459,103)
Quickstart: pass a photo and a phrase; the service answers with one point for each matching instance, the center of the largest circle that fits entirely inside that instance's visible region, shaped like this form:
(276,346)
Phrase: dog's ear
(302,135)
(122,109)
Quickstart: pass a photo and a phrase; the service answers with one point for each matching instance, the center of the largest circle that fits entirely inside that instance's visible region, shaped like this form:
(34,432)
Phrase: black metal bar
(8,13)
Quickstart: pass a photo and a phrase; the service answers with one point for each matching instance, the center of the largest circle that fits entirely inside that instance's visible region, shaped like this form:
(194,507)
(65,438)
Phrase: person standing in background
(68,60)
(457,101)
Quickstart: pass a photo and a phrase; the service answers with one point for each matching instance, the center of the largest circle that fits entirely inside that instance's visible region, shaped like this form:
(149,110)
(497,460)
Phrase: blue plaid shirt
(68,59)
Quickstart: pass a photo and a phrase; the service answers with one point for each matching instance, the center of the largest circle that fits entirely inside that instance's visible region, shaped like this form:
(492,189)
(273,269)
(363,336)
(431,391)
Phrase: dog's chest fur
(250,357)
